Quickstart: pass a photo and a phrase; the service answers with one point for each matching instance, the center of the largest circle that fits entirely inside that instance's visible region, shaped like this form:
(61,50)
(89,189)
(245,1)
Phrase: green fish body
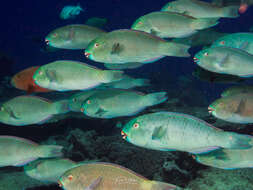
(200,9)
(168,131)
(73,75)
(243,41)
(171,25)
(237,90)
(15,151)
(226,60)
(110,103)
(73,36)
(27,110)
(130,46)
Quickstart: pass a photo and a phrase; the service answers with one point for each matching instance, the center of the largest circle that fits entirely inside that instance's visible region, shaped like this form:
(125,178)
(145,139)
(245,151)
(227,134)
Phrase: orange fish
(24,81)
(107,176)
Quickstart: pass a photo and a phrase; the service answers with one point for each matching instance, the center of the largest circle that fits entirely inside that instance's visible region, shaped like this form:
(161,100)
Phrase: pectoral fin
(94,184)
(116,48)
(224,60)
(51,75)
(159,132)
(241,106)
(153,32)
(100,112)
(244,45)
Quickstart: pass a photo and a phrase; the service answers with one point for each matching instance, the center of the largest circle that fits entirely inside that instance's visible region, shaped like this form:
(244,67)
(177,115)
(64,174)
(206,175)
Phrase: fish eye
(70,177)
(140,22)
(205,54)
(136,125)
(88,101)
(55,35)
(96,44)
(222,42)
(40,72)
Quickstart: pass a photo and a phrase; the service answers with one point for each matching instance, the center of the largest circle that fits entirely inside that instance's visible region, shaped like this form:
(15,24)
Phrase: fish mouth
(47,41)
(124,135)
(195,59)
(210,110)
(60,183)
(87,54)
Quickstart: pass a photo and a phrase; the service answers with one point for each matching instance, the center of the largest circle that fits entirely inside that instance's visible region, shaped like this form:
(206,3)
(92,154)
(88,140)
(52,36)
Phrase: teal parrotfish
(167,131)
(131,46)
(172,25)
(110,103)
(64,75)
(16,151)
(242,89)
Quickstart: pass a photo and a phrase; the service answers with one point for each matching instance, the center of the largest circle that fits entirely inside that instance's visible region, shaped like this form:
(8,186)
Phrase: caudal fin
(155,98)
(238,141)
(203,23)
(48,151)
(231,11)
(175,49)
(157,185)
(111,76)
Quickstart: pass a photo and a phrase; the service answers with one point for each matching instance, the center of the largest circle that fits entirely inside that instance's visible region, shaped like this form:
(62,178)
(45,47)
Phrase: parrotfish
(227,158)
(72,75)
(74,36)
(107,176)
(69,12)
(24,81)
(236,108)
(201,9)
(131,46)
(27,110)
(172,25)
(113,103)
(49,169)
(16,151)
(244,89)
(226,60)
(167,131)
(243,41)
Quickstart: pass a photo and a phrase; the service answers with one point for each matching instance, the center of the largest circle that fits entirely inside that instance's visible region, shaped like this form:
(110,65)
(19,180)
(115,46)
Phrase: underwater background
(24,27)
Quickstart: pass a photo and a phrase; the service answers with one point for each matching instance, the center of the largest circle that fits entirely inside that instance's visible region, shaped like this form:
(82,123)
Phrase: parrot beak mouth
(210,110)
(124,135)
(60,184)
(195,59)
(47,41)
(87,54)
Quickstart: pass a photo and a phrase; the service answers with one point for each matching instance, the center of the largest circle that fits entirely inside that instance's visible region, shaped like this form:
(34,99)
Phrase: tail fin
(61,106)
(155,98)
(48,151)
(175,49)
(111,76)
(231,11)
(142,82)
(157,185)
(238,141)
(203,23)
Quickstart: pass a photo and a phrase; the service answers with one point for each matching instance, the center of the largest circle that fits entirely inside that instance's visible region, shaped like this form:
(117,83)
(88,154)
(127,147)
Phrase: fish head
(222,108)
(99,50)
(137,132)
(40,77)
(211,59)
(69,180)
(59,38)
(92,108)
(142,24)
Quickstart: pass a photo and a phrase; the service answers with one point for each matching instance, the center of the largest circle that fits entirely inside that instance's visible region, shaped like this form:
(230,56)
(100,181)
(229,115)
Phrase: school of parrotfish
(106,93)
